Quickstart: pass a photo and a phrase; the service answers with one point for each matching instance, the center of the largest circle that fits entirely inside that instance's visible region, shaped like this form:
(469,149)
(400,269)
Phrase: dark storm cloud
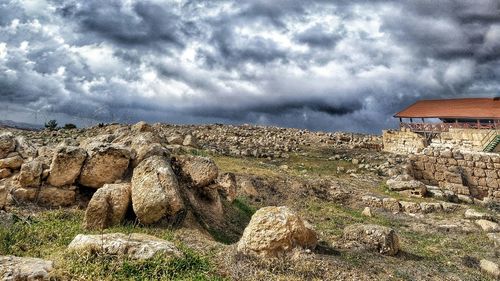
(146,23)
(317,36)
(313,64)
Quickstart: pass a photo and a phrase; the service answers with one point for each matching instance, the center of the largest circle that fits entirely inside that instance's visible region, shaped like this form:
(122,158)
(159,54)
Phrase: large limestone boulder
(56,196)
(135,245)
(22,268)
(155,190)
(7,144)
(108,206)
(273,231)
(202,171)
(13,162)
(146,145)
(105,163)
(66,165)
(30,174)
(25,148)
(374,237)
(406,185)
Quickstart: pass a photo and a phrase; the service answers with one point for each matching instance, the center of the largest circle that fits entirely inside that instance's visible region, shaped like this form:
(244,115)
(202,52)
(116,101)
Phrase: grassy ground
(47,235)
(427,253)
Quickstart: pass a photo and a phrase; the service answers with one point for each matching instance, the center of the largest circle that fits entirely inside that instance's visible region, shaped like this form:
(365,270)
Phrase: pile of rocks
(261,141)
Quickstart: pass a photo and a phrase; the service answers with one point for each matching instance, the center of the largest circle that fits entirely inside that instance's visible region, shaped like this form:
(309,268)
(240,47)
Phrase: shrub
(69,126)
(51,124)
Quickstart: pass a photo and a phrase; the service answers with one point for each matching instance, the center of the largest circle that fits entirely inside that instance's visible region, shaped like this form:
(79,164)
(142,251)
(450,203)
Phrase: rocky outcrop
(146,145)
(373,237)
(273,231)
(201,171)
(135,245)
(66,165)
(23,268)
(30,174)
(407,186)
(155,190)
(227,184)
(7,144)
(105,163)
(56,196)
(108,206)
(14,162)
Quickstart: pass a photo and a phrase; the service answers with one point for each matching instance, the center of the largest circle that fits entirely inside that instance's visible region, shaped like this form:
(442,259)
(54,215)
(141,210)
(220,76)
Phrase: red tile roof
(471,108)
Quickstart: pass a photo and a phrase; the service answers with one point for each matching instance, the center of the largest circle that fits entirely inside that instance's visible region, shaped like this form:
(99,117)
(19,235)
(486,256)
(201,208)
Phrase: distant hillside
(20,125)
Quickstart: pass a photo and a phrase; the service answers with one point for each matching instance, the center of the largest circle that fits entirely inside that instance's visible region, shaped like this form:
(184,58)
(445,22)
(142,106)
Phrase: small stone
(380,238)
(490,268)
(367,212)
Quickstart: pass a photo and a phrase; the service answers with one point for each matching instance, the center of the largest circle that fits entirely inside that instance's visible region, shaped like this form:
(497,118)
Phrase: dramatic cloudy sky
(322,65)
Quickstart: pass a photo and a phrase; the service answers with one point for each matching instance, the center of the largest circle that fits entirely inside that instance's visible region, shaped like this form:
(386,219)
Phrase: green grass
(47,235)
(241,203)
(339,216)
(91,266)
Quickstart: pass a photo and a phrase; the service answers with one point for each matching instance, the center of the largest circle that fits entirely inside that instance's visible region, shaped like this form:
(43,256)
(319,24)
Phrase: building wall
(475,174)
(467,139)
(402,141)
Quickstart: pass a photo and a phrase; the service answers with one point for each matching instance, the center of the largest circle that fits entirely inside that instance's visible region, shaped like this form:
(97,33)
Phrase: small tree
(69,126)
(51,125)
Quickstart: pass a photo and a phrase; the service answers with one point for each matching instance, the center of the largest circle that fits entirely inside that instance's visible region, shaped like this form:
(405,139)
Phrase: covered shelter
(465,113)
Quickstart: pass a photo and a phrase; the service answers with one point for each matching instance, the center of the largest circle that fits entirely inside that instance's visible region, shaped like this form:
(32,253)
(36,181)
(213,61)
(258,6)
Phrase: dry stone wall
(473,174)
(402,142)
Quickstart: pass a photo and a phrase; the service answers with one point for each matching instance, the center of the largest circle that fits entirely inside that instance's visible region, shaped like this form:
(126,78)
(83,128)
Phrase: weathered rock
(367,212)
(25,148)
(7,144)
(23,268)
(410,207)
(135,245)
(227,183)
(141,127)
(24,194)
(476,215)
(375,237)
(176,139)
(408,186)
(66,165)
(391,205)
(202,171)
(490,268)
(190,140)
(488,226)
(13,163)
(108,206)
(155,190)
(3,196)
(5,173)
(428,207)
(144,146)
(57,196)
(105,163)
(273,231)
(248,188)
(30,174)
